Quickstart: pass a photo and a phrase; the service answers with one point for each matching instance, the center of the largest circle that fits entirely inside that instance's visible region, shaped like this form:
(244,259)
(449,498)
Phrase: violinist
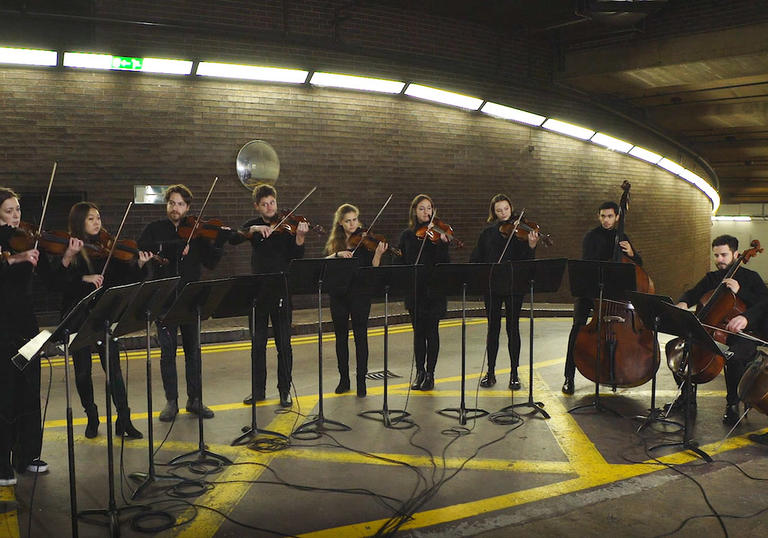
(351,304)
(490,246)
(750,288)
(184,260)
(425,308)
(272,251)
(598,244)
(20,427)
(82,274)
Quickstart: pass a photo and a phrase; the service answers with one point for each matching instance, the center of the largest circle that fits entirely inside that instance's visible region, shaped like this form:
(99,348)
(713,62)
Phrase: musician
(425,308)
(490,246)
(352,303)
(750,288)
(598,244)
(20,427)
(272,252)
(83,274)
(186,261)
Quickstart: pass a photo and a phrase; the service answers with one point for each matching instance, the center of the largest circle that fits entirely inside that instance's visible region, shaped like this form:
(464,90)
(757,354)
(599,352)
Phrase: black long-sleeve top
(162,238)
(17,317)
(270,255)
(432,254)
(491,243)
(598,245)
(752,291)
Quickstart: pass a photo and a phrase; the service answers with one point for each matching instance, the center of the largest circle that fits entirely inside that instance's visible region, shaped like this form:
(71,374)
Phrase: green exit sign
(127,62)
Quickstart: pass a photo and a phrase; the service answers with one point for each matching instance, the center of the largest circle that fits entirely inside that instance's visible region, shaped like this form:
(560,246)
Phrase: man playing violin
(184,260)
(272,252)
(750,288)
(490,246)
(598,244)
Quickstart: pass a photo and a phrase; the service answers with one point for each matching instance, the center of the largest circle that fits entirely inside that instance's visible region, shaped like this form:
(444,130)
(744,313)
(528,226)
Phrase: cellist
(598,244)
(750,288)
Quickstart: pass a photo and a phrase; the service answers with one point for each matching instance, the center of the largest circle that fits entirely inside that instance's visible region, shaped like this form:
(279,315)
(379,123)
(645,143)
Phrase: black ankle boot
(420,375)
(92,428)
(514,381)
(361,390)
(429,381)
(124,427)
(488,379)
(343,385)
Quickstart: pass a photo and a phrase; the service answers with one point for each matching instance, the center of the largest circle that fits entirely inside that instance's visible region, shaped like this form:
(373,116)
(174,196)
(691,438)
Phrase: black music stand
(683,323)
(646,306)
(385,281)
(146,306)
(449,278)
(544,275)
(317,276)
(97,329)
(246,293)
(602,281)
(62,334)
(196,302)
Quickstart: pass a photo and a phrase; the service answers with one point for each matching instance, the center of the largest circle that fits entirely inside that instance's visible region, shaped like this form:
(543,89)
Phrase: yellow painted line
(225,497)
(9,524)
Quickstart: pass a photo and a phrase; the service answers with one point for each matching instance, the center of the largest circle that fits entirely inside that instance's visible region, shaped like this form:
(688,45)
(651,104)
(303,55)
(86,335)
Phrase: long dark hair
(337,240)
(6,193)
(413,222)
(495,200)
(77,216)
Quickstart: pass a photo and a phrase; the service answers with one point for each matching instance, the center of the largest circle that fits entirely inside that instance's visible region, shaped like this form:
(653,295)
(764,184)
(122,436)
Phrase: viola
(370,241)
(439,227)
(524,228)
(628,354)
(715,310)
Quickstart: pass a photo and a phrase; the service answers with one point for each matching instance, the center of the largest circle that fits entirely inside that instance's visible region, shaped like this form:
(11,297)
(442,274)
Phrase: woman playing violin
(185,260)
(272,252)
(425,308)
(351,304)
(20,427)
(491,244)
(82,274)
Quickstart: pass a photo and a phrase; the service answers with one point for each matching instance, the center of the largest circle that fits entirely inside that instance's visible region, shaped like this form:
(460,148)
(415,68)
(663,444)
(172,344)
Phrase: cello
(715,310)
(627,346)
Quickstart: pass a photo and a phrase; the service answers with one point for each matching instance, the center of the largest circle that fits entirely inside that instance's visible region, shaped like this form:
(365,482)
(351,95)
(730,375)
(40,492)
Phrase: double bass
(627,357)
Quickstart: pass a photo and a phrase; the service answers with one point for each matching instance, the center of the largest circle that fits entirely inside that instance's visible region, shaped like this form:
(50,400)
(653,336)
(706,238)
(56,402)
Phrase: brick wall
(111,130)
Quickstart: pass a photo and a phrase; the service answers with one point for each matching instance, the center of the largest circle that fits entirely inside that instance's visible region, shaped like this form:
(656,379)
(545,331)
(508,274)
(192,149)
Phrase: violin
(126,250)
(209,229)
(283,222)
(53,242)
(433,234)
(523,229)
(370,241)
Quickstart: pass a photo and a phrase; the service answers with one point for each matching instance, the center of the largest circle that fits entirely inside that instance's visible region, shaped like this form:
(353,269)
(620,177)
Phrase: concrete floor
(583,474)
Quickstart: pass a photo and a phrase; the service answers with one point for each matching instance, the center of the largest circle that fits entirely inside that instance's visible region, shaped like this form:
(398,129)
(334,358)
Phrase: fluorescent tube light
(252,72)
(703,186)
(735,218)
(352,82)
(645,155)
(28,56)
(168,67)
(88,61)
(514,114)
(611,142)
(444,97)
(127,63)
(671,166)
(568,129)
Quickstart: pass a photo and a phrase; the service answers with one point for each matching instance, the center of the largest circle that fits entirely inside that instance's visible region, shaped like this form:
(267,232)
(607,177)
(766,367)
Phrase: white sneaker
(8,478)
(37,466)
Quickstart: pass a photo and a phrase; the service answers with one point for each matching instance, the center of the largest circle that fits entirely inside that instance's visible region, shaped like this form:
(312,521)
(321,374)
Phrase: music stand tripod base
(395,419)
(462,414)
(313,428)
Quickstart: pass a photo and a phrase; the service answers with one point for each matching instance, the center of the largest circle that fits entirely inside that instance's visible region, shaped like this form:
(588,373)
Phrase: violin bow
(115,238)
(292,211)
(424,241)
(511,235)
(202,210)
(45,205)
(374,220)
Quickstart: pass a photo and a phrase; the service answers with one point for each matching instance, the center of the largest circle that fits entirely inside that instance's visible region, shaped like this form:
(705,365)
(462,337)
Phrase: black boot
(92,428)
(514,381)
(488,379)
(731,414)
(124,427)
(343,385)
(429,381)
(361,390)
(420,375)
(568,387)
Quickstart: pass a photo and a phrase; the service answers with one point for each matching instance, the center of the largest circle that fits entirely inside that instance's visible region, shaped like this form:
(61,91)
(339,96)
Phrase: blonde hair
(337,240)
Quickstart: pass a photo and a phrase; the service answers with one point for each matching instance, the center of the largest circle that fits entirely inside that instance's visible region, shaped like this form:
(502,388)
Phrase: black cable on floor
(42,432)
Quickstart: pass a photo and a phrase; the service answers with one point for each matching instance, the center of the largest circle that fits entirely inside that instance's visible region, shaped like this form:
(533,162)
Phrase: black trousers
(357,308)
(21,436)
(425,319)
(513,304)
(280,314)
(167,335)
(83,364)
(581,309)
